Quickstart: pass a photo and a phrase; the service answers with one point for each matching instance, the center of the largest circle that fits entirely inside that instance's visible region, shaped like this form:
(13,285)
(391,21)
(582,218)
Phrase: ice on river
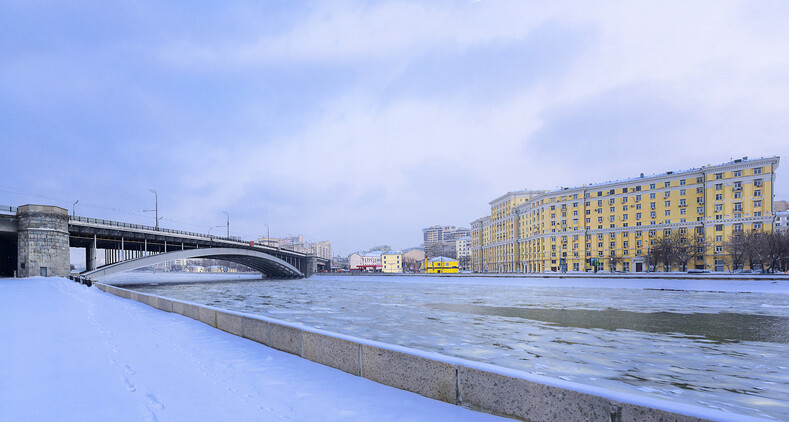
(721,344)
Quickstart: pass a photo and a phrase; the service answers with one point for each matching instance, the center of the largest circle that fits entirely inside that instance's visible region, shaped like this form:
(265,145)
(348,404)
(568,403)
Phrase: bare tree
(682,248)
(661,251)
(770,248)
(736,252)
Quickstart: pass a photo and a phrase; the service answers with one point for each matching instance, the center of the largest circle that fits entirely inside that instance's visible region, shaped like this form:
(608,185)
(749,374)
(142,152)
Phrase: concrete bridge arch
(266,264)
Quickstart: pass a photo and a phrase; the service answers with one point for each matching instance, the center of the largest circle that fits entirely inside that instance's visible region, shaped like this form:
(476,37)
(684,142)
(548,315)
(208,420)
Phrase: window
(757,204)
(599,219)
(638,198)
(667,184)
(667,203)
(719,197)
(718,249)
(613,236)
(757,183)
(611,201)
(651,196)
(683,211)
(682,202)
(757,170)
(737,173)
(757,214)
(699,179)
(699,210)
(757,192)
(600,236)
(668,212)
(611,191)
(612,245)
(699,190)
(757,226)
(652,214)
(624,207)
(638,206)
(719,217)
(719,186)
(652,186)
(682,192)
(737,195)
(682,182)
(738,185)
(738,206)
(737,227)
(599,202)
(638,188)
(624,190)
(625,244)
(718,176)
(611,218)
(612,209)
(718,207)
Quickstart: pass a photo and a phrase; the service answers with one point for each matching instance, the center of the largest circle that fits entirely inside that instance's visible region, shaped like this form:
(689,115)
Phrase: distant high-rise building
(780,206)
(440,240)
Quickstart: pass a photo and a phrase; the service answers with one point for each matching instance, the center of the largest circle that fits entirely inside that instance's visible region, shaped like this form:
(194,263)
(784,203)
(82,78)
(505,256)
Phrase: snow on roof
(441,259)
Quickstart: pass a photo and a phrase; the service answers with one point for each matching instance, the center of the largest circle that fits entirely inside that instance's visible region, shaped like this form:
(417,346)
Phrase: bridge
(35,240)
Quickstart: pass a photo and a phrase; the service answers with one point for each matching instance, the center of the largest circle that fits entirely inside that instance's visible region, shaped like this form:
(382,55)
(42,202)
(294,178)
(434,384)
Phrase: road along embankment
(462,382)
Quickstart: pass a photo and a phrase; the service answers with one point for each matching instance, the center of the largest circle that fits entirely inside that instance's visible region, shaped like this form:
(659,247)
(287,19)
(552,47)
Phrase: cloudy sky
(363,122)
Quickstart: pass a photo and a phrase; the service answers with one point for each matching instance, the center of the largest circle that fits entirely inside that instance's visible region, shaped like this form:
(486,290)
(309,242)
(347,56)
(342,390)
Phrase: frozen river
(719,344)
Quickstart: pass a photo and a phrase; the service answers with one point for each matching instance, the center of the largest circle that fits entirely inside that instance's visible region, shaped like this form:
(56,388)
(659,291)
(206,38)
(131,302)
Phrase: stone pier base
(43,241)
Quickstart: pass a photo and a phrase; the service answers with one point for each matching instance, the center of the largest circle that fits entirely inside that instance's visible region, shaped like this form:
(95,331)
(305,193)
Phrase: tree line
(756,250)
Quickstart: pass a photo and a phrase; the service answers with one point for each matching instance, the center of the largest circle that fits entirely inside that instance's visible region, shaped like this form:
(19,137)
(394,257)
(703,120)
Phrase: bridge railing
(160,229)
(7,209)
(150,228)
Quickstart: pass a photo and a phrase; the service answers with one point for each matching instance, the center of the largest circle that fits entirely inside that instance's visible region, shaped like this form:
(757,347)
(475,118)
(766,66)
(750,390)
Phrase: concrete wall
(43,241)
(470,384)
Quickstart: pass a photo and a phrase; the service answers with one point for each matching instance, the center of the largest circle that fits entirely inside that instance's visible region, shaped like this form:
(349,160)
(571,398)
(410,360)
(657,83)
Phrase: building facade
(463,248)
(440,240)
(615,222)
(392,262)
(782,221)
(440,265)
(365,261)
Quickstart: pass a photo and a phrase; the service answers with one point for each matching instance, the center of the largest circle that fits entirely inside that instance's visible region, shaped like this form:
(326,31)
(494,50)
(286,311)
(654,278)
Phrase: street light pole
(156,209)
(228,223)
(73,208)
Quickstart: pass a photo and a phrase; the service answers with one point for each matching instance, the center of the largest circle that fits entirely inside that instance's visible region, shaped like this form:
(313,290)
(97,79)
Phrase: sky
(364,122)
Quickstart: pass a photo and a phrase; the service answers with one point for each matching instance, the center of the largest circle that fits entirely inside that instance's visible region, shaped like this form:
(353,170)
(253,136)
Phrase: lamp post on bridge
(73,208)
(156,209)
(228,223)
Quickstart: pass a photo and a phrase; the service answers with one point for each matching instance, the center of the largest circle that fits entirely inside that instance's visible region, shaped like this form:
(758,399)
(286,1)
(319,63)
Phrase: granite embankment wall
(470,384)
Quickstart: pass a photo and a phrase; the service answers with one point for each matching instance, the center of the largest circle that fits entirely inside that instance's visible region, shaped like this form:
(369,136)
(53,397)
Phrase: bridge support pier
(43,241)
(90,256)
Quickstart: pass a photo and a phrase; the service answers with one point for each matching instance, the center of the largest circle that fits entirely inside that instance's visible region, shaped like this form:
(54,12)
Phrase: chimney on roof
(642,175)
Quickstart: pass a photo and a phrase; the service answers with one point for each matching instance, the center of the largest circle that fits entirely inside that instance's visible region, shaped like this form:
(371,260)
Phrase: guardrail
(121,224)
(150,228)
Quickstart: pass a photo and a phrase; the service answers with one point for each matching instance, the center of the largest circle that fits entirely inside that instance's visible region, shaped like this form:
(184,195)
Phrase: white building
(782,221)
(365,261)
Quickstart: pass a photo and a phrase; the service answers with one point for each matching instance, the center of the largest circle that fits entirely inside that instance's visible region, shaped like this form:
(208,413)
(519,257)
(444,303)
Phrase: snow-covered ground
(69,352)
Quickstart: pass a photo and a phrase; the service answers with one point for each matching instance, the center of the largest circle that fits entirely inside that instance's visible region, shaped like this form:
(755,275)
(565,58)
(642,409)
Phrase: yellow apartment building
(391,262)
(540,231)
(440,265)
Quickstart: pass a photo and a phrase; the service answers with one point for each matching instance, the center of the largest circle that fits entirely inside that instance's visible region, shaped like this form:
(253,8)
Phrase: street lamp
(228,223)
(73,212)
(268,235)
(156,209)
(215,227)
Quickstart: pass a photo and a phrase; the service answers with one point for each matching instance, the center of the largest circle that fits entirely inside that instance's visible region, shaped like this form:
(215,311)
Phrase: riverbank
(74,352)
(578,274)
